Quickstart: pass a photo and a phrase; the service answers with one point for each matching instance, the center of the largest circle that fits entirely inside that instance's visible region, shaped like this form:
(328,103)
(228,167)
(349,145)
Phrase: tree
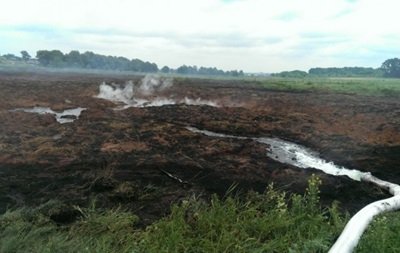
(74,59)
(149,67)
(11,57)
(136,65)
(183,69)
(54,58)
(43,57)
(391,67)
(25,55)
(291,74)
(165,69)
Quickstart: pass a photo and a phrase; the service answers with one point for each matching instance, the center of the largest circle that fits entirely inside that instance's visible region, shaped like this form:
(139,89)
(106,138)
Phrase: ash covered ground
(144,158)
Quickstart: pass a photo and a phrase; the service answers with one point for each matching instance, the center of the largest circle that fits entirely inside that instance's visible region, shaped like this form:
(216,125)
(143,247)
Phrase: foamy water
(293,154)
(66,116)
(302,157)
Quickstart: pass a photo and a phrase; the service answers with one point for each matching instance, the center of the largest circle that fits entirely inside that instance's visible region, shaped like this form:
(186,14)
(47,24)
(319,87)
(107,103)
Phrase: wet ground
(145,158)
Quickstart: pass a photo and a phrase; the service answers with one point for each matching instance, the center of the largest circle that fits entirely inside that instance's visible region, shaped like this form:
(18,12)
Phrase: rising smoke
(150,84)
(148,92)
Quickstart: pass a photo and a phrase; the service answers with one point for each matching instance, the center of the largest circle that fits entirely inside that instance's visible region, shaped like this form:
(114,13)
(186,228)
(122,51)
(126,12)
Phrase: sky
(250,35)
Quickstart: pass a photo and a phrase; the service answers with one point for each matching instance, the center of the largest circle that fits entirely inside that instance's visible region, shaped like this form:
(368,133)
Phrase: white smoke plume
(149,84)
(148,92)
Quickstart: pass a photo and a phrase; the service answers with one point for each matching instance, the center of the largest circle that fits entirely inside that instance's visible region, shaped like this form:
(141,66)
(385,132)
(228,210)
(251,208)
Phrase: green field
(361,86)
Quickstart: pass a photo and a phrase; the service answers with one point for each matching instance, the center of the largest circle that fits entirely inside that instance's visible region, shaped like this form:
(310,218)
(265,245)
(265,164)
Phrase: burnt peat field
(135,179)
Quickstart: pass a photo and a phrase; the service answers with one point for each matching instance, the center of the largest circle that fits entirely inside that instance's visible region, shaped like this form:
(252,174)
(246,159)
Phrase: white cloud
(253,35)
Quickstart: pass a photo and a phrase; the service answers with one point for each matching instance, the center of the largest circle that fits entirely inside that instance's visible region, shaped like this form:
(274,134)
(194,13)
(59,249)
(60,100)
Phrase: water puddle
(293,154)
(67,116)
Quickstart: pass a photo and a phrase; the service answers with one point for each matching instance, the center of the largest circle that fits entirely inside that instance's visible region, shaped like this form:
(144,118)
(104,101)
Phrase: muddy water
(293,154)
(67,116)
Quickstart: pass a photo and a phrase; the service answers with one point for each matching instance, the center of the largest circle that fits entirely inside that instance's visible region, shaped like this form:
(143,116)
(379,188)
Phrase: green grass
(346,85)
(97,231)
(269,222)
(382,236)
(362,86)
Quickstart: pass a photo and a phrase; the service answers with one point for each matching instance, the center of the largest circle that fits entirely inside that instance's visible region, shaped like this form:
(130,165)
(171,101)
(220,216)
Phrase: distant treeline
(346,72)
(389,68)
(291,74)
(194,70)
(90,60)
(333,72)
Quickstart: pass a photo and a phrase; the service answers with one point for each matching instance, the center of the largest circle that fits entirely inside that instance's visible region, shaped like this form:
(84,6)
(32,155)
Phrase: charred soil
(145,159)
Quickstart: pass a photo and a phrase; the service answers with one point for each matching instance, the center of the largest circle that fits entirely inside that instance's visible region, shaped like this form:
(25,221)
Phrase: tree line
(389,68)
(90,60)
(194,70)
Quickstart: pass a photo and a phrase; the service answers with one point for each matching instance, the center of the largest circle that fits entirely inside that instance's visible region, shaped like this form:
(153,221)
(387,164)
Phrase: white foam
(302,157)
(293,154)
(60,116)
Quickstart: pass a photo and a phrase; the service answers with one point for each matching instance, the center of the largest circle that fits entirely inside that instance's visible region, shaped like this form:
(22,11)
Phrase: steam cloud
(148,92)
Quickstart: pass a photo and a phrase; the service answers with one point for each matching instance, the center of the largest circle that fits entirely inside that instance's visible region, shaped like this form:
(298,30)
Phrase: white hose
(354,229)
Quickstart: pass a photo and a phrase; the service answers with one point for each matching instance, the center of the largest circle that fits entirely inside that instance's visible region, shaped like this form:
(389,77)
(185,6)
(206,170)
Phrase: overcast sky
(253,35)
